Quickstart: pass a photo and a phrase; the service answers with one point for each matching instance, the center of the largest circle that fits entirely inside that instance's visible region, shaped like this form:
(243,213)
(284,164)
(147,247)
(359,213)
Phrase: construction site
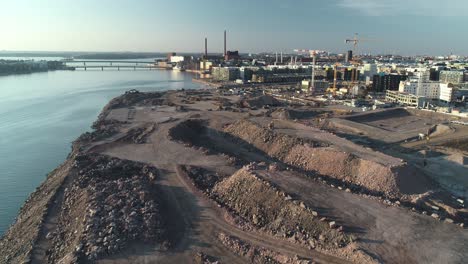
(203,176)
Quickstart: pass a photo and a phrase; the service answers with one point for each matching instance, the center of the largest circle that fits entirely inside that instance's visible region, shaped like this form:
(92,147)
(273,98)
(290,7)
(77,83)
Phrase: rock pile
(103,128)
(109,204)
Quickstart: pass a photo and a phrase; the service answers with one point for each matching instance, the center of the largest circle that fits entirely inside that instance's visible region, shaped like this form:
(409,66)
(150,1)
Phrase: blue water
(42,113)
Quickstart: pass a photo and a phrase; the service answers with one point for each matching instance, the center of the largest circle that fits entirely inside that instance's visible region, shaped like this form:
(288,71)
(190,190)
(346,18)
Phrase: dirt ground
(155,131)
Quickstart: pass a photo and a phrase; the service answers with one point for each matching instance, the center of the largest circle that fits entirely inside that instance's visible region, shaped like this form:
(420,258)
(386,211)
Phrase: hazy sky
(397,26)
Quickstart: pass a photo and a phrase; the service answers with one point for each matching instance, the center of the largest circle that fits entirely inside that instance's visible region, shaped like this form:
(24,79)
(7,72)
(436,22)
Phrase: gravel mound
(325,160)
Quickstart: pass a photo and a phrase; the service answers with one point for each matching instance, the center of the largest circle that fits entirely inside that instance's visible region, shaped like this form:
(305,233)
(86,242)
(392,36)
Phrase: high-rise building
(384,82)
(349,56)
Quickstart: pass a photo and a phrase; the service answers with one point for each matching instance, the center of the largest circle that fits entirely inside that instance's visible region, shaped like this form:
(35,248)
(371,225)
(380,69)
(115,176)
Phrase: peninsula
(208,176)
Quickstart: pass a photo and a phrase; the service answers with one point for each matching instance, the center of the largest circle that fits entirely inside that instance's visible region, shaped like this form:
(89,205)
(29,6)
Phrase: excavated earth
(195,176)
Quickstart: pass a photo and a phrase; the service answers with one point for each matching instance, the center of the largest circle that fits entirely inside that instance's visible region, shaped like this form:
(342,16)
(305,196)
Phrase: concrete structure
(404,98)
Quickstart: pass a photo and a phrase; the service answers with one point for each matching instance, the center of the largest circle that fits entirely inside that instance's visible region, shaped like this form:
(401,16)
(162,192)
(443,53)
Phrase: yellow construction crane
(333,89)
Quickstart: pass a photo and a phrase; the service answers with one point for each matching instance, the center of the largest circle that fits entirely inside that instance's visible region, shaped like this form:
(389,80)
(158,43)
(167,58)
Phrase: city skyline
(396,27)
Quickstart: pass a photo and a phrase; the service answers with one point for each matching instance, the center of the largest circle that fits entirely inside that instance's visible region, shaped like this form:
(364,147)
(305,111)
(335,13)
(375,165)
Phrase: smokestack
(281,57)
(225,43)
(206,48)
(276,58)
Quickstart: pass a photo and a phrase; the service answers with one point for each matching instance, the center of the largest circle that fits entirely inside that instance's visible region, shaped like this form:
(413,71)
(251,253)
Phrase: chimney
(206,48)
(225,52)
(281,57)
(276,58)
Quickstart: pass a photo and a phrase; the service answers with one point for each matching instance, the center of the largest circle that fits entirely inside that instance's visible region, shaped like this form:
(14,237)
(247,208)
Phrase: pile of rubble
(275,212)
(202,179)
(260,101)
(103,128)
(257,254)
(202,258)
(110,203)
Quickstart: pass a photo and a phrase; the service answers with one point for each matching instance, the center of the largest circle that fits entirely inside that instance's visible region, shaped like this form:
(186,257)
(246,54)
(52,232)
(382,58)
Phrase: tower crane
(355,41)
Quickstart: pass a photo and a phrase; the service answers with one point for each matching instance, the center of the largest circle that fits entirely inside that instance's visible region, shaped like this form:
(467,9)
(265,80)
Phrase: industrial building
(232,55)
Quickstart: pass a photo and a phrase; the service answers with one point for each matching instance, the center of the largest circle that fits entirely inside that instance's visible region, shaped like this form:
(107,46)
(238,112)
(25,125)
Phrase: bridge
(118,67)
(112,64)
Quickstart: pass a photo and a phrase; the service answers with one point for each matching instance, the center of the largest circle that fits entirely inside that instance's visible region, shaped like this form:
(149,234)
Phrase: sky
(407,27)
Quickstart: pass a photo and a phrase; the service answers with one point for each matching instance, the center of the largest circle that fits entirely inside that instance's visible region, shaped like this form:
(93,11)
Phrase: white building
(369,70)
(421,86)
(175,59)
(446,92)
(426,89)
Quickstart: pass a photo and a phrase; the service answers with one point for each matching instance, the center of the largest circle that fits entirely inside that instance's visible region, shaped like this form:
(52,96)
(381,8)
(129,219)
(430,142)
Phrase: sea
(42,113)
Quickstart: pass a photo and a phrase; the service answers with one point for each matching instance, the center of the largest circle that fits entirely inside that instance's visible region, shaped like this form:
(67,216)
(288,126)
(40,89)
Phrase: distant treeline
(8,67)
(90,55)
